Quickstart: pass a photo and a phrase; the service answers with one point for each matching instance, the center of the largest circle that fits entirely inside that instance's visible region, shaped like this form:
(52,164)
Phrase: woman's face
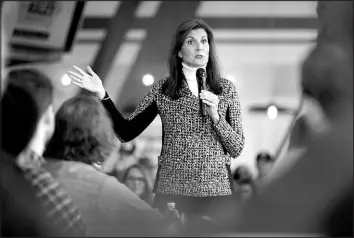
(136,181)
(195,49)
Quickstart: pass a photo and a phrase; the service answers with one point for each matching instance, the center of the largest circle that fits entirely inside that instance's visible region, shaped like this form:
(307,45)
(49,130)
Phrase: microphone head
(201,74)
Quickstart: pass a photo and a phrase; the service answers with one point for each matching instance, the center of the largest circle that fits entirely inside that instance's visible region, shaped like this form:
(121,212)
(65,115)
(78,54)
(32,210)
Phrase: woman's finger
(80,70)
(77,81)
(78,84)
(74,74)
(74,78)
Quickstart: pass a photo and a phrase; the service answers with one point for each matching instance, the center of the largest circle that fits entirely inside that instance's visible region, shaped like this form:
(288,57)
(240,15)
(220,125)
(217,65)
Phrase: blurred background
(260,45)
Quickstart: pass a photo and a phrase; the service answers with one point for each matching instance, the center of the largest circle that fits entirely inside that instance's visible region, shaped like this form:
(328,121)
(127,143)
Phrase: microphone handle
(204,110)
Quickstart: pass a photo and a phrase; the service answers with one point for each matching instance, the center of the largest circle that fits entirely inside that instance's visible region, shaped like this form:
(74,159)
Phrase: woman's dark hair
(83,132)
(144,171)
(174,82)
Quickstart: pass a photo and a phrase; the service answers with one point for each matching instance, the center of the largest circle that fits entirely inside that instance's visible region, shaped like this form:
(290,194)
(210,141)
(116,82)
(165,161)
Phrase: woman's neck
(190,72)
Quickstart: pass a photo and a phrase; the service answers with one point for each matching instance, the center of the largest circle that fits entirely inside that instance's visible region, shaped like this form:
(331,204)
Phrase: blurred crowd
(66,174)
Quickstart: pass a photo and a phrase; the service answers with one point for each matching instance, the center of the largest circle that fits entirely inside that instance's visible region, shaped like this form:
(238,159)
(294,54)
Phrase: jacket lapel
(187,98)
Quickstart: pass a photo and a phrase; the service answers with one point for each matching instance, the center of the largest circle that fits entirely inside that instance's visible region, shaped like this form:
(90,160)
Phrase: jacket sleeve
(231,133)
(126,129)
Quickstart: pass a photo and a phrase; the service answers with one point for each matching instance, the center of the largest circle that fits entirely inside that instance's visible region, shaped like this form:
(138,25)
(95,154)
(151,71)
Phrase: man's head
(40,87)
(242,172)
(327,77)
(19,117)
(265,163)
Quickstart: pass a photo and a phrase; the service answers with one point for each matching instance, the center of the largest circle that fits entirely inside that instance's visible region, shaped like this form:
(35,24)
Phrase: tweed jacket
(195,152)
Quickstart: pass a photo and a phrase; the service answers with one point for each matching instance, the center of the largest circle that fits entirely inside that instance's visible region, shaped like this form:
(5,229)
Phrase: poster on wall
(42,26)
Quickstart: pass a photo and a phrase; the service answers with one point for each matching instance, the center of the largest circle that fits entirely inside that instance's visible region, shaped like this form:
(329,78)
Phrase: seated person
(83,137)
(137,179)
(241,172)
(55,202)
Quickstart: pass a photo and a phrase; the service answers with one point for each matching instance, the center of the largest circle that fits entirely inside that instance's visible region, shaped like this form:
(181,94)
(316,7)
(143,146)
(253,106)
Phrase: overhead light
(272,112)
(65,80)
(148,79)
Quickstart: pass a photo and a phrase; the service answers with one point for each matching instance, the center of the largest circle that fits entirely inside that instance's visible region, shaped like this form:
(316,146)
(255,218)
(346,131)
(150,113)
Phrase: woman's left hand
(212,102)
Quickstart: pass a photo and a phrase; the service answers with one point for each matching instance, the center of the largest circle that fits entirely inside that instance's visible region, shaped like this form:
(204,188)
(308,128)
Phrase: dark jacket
(195,153)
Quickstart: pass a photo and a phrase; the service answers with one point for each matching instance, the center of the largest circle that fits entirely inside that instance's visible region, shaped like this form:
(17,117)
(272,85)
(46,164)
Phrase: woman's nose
(199,46)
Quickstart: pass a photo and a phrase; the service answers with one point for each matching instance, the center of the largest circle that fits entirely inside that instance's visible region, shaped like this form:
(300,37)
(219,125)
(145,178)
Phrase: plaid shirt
(53,197)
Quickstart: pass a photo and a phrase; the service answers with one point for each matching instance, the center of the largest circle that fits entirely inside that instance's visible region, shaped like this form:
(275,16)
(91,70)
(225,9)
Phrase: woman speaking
(194,164)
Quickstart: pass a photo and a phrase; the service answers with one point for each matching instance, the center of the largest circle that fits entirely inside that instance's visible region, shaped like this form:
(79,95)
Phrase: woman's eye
(190,42)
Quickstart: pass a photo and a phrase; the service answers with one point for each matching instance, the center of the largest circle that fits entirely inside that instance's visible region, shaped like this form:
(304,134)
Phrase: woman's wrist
(216,119)
(101,93)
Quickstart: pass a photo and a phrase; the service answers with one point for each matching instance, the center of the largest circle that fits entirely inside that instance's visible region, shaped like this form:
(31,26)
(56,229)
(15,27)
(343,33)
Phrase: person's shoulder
(227,86)
(73,170)
(113,189)
(160,83)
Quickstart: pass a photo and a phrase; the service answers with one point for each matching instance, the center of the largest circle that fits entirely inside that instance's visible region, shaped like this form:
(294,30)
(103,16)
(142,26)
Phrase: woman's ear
(180,54)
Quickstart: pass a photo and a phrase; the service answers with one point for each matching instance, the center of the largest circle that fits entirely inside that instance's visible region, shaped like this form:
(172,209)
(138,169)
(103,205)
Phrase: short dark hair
(264,156)
(19,118)
(35,83)
(174,82)
(242,172)
(83,132)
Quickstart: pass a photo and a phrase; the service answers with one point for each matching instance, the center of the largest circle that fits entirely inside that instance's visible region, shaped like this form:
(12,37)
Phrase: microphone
(201,78)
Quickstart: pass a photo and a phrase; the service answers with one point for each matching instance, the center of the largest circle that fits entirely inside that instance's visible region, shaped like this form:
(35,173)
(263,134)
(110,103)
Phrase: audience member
(246,188)
(265,163)
(20,211)
(22,214)
(137,179)
(53,198)
(299,201)
(83,136)
(127,158)
(241,172)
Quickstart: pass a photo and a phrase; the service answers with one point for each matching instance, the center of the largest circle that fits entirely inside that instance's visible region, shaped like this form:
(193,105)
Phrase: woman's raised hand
(89,81)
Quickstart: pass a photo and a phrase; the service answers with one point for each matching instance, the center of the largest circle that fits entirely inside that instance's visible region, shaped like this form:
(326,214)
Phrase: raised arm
(126,129)
(231,133)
